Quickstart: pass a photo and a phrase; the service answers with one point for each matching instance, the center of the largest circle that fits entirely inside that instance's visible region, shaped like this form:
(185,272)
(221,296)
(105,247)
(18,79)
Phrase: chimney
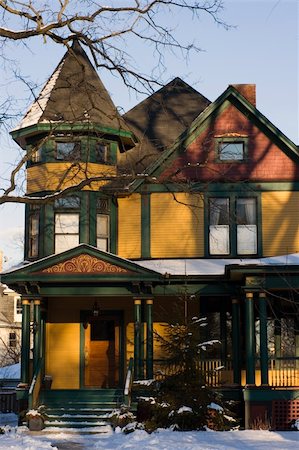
(247,90)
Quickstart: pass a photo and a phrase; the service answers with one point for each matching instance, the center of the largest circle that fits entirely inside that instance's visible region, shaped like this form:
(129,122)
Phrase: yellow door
(102,352)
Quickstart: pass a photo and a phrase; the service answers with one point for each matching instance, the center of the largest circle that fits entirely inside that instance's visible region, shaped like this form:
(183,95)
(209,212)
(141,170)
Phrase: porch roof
(210,267)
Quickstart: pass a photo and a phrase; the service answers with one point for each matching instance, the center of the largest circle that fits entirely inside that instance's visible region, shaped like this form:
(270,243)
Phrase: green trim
(84,218)
(249,340)
(263,340)
(145,225)
(239,186)
(113,226)
(36,336)
(137,341)
(25,347)
(74,127)
(223,140)
(149,341)
(236,342)
(48,234)
(262,394)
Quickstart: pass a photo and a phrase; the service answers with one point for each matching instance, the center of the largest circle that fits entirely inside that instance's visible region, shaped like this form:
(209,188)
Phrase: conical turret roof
(74,93)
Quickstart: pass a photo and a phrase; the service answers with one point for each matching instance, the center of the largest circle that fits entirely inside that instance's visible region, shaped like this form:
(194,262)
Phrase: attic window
(102,152)
(231,150)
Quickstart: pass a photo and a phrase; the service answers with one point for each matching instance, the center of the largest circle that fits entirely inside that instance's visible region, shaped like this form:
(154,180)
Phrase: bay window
(103,224)
(34,214)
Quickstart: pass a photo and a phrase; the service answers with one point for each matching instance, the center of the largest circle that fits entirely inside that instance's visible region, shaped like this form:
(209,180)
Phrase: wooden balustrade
(283,372)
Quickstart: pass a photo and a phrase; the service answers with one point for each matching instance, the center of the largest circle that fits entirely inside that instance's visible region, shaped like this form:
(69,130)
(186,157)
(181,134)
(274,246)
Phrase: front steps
(87,409)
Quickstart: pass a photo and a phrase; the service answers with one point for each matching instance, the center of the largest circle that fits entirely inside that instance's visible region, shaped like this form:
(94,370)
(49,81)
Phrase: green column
(137,339)
(236,341)
(149,340)
(250,334)
(36,333)
(25,350)
(277,340)
(223,334)
(263,338)
(296,325)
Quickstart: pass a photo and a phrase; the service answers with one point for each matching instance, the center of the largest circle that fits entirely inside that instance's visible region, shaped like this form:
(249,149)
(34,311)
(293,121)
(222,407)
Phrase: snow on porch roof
(212,266)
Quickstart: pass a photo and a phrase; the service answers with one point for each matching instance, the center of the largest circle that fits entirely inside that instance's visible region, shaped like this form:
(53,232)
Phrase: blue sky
(261,47)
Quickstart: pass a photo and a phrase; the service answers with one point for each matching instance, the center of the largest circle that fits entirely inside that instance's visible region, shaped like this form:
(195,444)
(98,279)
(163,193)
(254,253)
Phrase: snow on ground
(22,439)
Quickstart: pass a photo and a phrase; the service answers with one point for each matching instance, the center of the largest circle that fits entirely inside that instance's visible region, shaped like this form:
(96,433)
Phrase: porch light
(95,309)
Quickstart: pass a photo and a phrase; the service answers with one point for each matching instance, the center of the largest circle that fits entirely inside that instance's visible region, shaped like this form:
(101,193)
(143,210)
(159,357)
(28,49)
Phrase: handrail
(35,386)
(128,383)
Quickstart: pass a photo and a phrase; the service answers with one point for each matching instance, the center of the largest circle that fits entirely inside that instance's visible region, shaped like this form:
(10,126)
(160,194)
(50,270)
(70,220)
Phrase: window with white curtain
(66,231)
(219,239)
(103,232)
(232,226)
(246,226)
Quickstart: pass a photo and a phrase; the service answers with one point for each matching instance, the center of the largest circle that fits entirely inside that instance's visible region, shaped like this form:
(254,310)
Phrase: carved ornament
(84,264)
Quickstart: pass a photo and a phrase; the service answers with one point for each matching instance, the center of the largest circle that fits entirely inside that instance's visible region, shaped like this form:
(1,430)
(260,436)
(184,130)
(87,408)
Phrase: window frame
(103,208)
(219,141)
(73,155)
(107,158)
(233,226)
(34,214)
(61,207)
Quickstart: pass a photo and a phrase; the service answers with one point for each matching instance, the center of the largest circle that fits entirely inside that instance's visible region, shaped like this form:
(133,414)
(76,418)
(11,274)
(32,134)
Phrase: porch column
(25,349)
(297,341)
(263,338)
(236,340)
(137,339)
(36,333)
(223,334)
(250,335)
(149,339)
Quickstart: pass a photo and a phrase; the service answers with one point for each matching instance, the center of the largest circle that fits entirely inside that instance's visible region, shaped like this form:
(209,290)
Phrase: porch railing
(128,383)
(33,394)
(282,372)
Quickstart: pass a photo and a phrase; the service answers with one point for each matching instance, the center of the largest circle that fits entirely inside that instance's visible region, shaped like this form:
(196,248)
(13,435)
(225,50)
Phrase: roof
(206,267)
(73,93)
(159,119)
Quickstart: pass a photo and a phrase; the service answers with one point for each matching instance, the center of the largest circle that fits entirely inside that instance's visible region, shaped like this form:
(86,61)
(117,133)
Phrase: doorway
(101,355)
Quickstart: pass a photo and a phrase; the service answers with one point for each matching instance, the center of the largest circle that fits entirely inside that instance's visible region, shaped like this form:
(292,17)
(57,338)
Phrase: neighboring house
(10,326)
(212,216)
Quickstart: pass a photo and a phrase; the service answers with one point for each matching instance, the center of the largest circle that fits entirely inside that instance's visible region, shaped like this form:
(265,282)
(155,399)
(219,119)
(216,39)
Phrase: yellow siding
(129,226)
(60,175)
(177,225)
(63,354)
(280,223)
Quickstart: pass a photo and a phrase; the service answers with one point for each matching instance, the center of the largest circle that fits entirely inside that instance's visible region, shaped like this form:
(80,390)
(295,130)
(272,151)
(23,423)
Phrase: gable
(85,264)
(271,155)
(265,160)
(79,264)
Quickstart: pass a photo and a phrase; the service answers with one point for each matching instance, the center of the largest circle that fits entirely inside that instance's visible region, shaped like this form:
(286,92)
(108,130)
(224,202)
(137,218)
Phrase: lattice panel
(283,413)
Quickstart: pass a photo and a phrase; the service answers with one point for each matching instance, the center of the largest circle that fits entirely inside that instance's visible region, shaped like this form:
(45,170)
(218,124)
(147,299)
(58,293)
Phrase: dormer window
(231,149)
(68,150)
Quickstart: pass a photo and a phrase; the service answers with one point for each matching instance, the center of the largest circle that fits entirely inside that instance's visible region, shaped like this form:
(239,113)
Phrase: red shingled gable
(265,160)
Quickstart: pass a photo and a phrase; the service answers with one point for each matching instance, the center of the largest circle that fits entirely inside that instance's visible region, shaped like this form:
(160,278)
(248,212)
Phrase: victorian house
(179,197)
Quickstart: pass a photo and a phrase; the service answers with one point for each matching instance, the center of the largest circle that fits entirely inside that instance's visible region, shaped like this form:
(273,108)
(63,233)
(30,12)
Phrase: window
(219,226)
(231,150)
(68,150)
(66,223)
(103,224)
(12,340)
(103,232)
(35,155)
(102,152)
(232,226)
(34,214)
(17,309)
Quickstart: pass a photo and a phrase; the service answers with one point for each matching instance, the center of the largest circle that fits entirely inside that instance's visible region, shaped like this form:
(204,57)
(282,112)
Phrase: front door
(101,352)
